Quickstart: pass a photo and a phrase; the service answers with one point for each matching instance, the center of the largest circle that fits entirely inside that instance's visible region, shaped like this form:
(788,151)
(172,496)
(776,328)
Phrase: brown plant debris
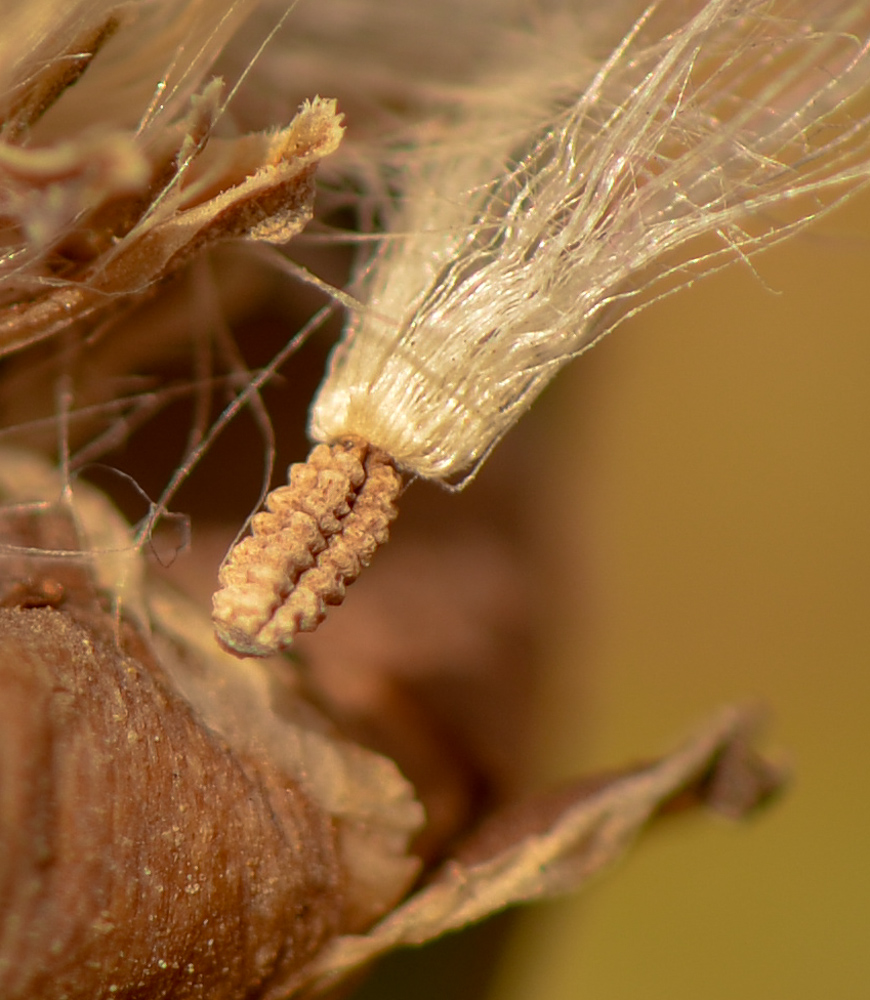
(318,533)
(163,831)
(554,844)
(35,94)
(114,832)
(176,822)
(96,219)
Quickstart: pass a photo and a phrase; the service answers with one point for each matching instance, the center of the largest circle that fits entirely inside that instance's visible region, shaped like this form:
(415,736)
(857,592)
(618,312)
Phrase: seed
(314,538)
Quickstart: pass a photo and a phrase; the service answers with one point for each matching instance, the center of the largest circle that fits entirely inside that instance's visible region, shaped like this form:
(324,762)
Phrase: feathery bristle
(521,240)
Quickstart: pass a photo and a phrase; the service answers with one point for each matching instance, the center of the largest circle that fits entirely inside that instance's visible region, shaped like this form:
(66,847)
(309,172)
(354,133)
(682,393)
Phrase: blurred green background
(703,488)
(715,454)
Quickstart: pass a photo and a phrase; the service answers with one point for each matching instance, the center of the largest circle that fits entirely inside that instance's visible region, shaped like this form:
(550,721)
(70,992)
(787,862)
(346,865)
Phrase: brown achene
(315,537)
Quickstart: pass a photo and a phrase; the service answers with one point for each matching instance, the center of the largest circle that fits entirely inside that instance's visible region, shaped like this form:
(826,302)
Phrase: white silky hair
(562,195)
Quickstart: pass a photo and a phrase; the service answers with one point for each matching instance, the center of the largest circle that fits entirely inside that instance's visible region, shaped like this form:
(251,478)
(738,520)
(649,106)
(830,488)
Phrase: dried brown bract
(178,823)
(98,216)
(318,533)
(175,822)
(163,832)
(113,816)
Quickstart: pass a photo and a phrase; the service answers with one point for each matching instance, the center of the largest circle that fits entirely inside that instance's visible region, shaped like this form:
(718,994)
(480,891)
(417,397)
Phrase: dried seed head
(317,534)
(555,198)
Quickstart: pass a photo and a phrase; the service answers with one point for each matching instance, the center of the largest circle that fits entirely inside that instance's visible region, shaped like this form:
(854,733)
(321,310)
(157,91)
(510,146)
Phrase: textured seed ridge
(314,538)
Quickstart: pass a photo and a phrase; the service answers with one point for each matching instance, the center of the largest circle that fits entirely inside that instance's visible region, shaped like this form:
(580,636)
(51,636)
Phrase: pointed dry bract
(556,846)
(97,210)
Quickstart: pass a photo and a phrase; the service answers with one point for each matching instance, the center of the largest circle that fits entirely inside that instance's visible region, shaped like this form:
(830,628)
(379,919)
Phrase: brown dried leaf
(530,853)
